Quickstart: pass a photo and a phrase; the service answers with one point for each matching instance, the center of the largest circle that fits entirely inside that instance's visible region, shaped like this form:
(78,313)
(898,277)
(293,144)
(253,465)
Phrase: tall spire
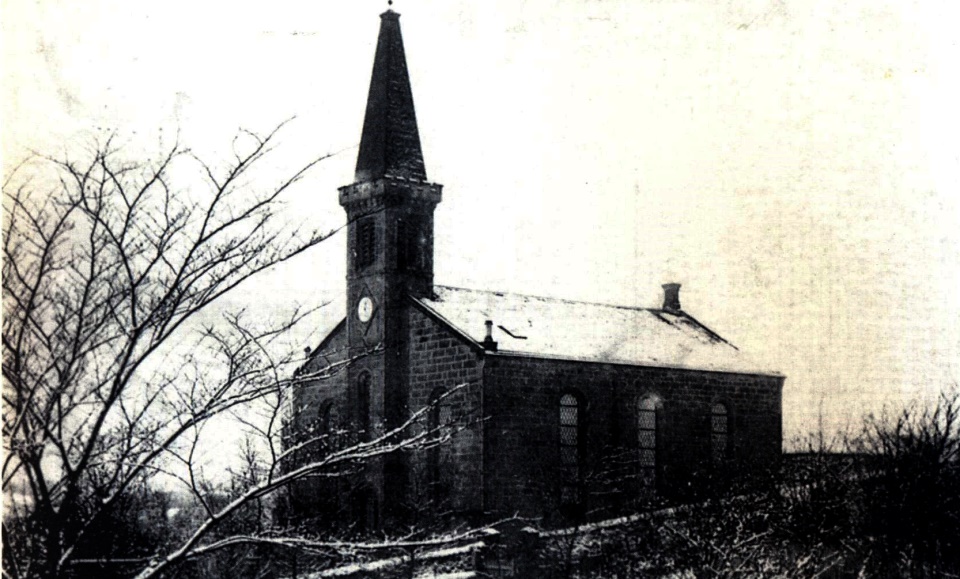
(390,144)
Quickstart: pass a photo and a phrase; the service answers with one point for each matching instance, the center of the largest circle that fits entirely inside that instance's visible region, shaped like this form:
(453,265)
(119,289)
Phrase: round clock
(365,309)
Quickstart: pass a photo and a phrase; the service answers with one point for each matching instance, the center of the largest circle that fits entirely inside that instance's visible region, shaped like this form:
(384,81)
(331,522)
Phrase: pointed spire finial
(390,143)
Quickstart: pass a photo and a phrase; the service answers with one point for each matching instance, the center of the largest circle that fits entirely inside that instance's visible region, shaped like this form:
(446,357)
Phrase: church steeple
(390,204)
(389,208)
(390,145)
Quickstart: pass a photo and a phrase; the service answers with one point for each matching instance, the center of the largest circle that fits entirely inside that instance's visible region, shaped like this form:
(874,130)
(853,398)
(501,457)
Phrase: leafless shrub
(883,504)
(911,487)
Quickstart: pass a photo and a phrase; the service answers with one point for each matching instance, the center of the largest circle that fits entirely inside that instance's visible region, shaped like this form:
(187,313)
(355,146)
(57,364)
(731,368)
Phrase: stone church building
(564,408)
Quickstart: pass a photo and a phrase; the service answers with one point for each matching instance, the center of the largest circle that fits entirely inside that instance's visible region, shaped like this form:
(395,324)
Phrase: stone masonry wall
(439,360)
(310,497)
(521,397)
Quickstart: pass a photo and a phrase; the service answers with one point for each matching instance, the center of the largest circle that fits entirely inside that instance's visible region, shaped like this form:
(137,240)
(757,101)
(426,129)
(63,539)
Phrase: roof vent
(671,297)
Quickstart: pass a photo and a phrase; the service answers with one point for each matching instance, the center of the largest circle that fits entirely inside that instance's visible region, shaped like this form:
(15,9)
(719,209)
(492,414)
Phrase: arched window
(363,405)
(647,441)
(440,417)
(719,432)
(324,417)
(571,449)
(327,421)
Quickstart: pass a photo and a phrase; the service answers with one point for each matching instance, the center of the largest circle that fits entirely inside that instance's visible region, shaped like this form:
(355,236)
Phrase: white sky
(793,163)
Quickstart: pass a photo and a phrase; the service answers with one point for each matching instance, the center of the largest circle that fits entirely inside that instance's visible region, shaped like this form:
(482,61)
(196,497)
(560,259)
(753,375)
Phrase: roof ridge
(565,300)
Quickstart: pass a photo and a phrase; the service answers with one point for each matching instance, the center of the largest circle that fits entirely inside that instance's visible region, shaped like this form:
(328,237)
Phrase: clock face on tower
(365,309)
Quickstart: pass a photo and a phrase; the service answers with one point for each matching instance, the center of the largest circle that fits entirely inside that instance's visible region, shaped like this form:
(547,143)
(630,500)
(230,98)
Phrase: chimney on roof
(671,297)
(488,343)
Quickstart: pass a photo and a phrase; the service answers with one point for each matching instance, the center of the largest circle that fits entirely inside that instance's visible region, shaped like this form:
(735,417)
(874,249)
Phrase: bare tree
(104,267)
(117,360)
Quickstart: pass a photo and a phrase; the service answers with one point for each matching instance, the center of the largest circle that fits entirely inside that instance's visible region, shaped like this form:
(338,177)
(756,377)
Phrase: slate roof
(555,328)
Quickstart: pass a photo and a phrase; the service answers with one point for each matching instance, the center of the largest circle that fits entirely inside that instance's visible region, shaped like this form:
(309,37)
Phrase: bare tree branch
(103,265)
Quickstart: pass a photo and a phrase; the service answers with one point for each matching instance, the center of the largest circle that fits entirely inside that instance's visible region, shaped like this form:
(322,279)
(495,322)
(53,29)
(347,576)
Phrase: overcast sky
(794,164)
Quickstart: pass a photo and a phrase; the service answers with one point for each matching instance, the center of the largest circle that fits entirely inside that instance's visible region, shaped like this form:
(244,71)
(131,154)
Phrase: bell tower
(389,210)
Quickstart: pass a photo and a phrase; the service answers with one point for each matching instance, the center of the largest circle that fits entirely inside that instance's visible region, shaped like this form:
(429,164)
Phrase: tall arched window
(440,417)
(647,441)
(363,405)
(719,432)
(571,449)
(324,416)
(327,420)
